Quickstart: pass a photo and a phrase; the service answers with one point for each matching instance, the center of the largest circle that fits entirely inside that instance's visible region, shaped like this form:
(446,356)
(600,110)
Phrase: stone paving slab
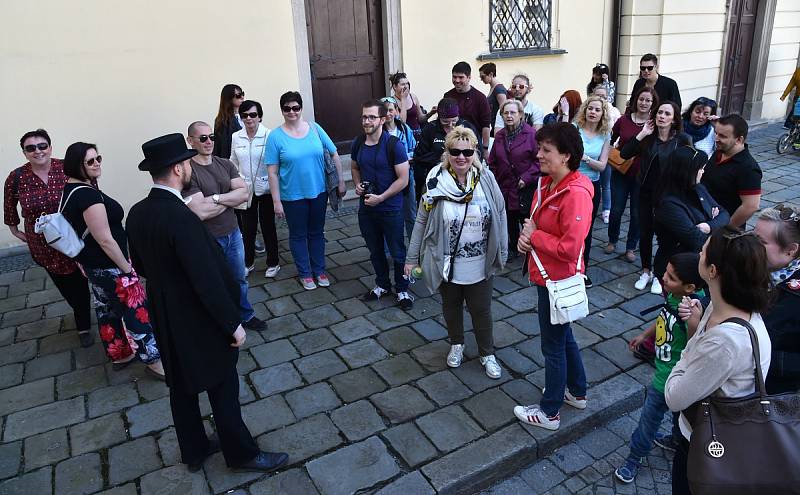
(336,382)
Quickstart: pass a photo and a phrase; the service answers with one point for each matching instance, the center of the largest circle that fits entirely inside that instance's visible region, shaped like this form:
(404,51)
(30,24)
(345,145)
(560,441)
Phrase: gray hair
(787,232)
(512,101)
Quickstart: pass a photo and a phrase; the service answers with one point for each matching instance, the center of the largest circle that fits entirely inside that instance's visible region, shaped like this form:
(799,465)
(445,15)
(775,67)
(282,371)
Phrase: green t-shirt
(670,340)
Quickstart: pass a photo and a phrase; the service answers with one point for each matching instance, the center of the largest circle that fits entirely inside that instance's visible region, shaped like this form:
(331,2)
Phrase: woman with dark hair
(654,144)
(227,120)
(718,359)
(600,77)
(564,111)
(247,153)
(556,231)
(498,94)
(37,187)
(104,258)
(399,129)
(779,231)
(295,160)
(623,186)
(410,110)
(685,213)
(698,122)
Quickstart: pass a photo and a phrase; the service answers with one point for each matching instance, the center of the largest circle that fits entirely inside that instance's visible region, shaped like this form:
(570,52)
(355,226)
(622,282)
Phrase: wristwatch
(215,199)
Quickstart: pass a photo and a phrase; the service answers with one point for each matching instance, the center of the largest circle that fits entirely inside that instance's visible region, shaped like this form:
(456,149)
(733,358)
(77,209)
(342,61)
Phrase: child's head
(682,276)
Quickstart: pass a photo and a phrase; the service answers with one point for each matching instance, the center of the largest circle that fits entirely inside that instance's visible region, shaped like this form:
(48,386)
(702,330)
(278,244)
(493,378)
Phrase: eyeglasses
(455,152)
(204,137)
(91,161)
(647,68)
(519,86)
(249,115)
(287,108)
(30,148)
(787,212)
(369,118)
(239,96)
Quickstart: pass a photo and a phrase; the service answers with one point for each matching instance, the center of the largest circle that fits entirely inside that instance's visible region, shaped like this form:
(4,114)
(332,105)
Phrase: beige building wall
(436,35)
(686,35)
(117,74)
(783,57)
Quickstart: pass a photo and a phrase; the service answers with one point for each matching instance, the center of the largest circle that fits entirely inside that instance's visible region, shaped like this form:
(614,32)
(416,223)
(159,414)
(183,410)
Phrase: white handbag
(58,232)
(568,299)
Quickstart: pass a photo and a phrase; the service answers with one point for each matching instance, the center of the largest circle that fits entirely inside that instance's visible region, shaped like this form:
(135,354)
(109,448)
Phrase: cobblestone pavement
(357,393)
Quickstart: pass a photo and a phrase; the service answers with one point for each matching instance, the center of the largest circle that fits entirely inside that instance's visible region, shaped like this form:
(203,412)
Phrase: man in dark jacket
(666,87)
(194,305)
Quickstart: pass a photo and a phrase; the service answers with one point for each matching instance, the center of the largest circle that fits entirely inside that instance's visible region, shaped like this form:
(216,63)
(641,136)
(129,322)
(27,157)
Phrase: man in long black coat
(194,307)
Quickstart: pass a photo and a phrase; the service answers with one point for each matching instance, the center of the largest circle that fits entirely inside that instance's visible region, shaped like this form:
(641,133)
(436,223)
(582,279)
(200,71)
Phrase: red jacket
(563,220)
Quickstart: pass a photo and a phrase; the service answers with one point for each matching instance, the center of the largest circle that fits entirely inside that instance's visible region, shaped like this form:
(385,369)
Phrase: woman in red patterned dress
(37,186)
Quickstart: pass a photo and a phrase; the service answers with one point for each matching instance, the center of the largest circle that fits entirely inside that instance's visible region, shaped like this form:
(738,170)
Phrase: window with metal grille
(519,25)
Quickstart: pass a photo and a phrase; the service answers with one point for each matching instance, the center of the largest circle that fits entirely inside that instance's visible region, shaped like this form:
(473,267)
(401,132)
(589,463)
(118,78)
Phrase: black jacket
(193,297)
(666,88)
(223,135)
(430,146)
(782,320)
(676,220)
(647,152)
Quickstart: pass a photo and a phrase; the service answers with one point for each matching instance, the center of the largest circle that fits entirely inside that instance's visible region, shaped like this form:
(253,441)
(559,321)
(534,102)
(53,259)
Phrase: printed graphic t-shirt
(671,337)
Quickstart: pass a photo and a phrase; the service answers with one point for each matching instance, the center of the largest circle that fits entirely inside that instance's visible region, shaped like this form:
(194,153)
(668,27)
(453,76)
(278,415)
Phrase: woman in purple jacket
(515,166)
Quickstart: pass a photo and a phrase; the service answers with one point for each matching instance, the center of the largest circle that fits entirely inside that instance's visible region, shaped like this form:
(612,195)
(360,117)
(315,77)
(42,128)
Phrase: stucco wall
(118,74)
(783,57)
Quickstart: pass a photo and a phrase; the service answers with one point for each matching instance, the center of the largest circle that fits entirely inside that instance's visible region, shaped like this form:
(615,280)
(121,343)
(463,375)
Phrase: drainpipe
(616,19)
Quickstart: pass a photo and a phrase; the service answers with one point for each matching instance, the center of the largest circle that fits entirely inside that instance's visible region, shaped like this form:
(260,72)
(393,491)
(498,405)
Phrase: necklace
(633,119)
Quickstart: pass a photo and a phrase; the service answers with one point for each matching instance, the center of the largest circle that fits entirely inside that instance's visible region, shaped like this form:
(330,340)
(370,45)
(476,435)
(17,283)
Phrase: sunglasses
(239,95)
(287,108)
(646,68)
(204,137)
(249,115)
(389,99)
(30,148)
(730,236)
(91,161)
(519,86)
(455,152)
(787,212)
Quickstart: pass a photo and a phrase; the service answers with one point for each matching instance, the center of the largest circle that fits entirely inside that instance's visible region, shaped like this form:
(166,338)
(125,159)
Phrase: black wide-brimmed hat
(164,151)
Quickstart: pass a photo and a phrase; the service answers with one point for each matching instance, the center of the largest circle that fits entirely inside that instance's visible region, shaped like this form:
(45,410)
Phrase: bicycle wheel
(784,143)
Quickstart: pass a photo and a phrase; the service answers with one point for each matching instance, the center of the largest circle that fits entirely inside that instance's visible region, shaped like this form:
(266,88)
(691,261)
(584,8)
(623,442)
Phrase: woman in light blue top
(593,123)
(296,162)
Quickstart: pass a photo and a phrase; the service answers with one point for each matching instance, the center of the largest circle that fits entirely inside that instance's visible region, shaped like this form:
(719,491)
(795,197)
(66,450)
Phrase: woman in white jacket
(247,153)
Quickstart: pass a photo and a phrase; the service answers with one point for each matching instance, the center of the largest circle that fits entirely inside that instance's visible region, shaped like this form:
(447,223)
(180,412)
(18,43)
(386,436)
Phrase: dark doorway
(345,46)
(741,28)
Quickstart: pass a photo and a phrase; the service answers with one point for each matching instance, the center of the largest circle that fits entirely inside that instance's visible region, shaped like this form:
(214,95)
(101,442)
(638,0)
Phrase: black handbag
(747,445)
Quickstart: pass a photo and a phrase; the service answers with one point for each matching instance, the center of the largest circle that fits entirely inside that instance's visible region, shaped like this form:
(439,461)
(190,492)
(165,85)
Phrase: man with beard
(520,88)
(380,172)
(194,304)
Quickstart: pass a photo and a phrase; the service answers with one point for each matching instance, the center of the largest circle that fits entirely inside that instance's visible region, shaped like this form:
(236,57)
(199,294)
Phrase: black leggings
(680,481)
(261,211)
(75,289)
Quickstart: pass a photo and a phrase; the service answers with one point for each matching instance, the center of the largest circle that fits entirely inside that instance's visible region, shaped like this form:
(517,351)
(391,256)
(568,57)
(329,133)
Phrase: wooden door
(741,28)
(345,46)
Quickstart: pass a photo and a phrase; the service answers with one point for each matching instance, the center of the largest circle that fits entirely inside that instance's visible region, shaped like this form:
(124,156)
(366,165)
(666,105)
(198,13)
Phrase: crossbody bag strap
(536,259)
(455,248)
(60,210)
(759,375)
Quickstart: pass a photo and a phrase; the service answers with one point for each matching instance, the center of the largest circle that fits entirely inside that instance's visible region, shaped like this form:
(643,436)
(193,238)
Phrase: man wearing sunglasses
(666,87)
(379,167)
(215,189)
(520,89)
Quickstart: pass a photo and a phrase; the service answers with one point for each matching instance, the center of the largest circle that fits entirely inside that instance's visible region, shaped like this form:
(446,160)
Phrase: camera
(368,187)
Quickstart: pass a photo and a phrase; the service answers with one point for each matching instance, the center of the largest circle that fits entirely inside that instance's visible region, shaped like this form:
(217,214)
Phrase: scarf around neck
(442,184)
(698,133)
(780,275)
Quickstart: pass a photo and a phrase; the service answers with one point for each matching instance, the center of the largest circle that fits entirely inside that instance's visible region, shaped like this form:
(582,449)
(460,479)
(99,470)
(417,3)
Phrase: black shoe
(213,448)
(588,282)
(264,461)
(255,323)
(86,338)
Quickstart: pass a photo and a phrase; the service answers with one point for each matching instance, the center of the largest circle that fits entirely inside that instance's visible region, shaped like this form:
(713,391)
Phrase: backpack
(59,233)
(360,140)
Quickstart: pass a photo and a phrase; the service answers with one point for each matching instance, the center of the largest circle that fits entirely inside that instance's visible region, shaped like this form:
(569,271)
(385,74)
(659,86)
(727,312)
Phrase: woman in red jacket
(556,231)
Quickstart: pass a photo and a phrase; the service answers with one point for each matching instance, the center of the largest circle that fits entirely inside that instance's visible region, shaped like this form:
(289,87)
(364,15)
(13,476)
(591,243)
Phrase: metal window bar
(519,25)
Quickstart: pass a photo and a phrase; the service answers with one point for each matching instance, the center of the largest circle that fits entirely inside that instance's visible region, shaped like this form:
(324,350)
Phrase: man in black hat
(194,305)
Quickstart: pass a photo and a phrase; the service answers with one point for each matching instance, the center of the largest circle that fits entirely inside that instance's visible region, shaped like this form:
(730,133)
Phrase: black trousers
(513,220)
(261,211)
(237,444)
(646,227)
(75,289)
(587,243)
(680,482)
(479,304)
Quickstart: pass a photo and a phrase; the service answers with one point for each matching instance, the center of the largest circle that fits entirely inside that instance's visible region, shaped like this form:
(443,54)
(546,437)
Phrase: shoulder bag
(331,174)
(747,445)
(568,299)
(58,232)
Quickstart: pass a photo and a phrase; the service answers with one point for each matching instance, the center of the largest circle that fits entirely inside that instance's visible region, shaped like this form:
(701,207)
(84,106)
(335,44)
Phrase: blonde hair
(787,232)
(460,133)
(604,126)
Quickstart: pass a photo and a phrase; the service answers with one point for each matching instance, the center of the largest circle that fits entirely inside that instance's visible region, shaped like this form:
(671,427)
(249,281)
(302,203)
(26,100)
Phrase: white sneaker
(493,370)
(576,402)
(606,215)
(272,271)
(644,279)
(249,269)
(534,416)
(656,287)
(455,355)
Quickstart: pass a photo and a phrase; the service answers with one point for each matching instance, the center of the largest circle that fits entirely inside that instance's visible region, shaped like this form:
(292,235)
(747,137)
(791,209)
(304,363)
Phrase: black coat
(223,136)
(666,89)
(430,145)
(676,220)
(650,170)
(192,294)
(782,320)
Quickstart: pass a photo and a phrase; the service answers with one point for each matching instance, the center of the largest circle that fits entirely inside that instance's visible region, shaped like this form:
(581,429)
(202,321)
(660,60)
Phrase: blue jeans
(563,367)
(233,249)
(655,405)
(605,183)
(306,221)
(622,188)
(410,205)
(377,228)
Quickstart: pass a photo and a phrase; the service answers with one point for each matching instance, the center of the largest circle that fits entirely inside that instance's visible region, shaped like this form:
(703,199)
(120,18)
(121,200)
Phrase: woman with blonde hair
(594,126)
(460,242)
